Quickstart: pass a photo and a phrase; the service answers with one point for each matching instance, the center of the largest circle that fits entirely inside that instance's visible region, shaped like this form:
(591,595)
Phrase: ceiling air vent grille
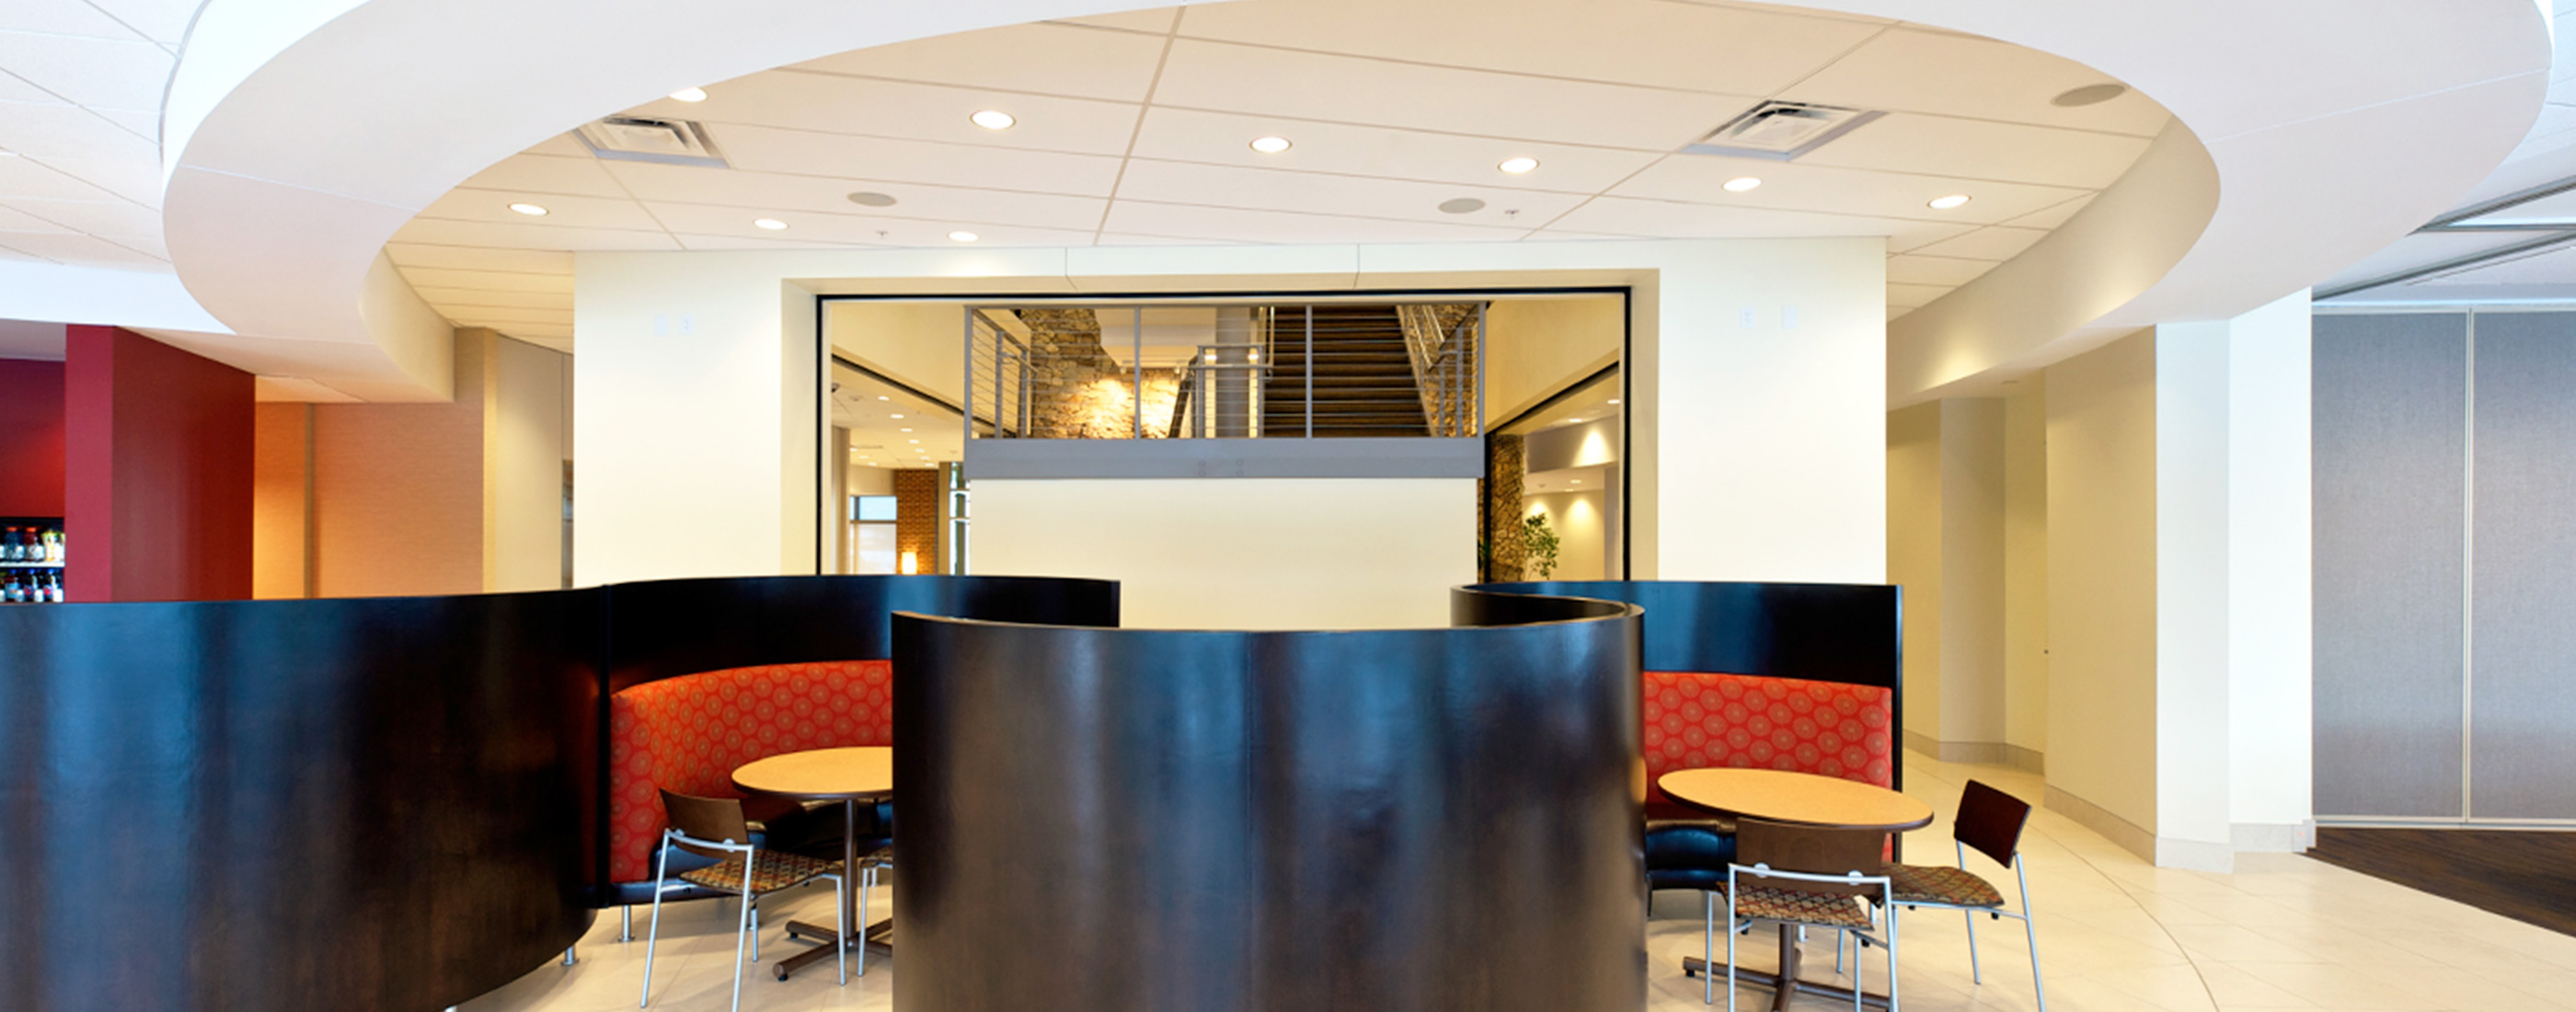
(1781,131)
(638,139)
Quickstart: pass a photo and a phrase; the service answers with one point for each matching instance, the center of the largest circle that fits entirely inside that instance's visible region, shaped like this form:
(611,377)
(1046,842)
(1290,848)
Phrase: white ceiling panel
(1317,193)
(1642,42)
(699,220)
(562,210)
(503,318)
(450,232)
(137,179)
(446,297)
(1911,70)
(1141,218)
(1226,138)
(106,72)
(764,241)
(154,245)
(161,20)
(1978,149)
(1121,239)
(79,249)
(14,220)
(27,177)
(529,173)
(1043,58)
(2051,217)
(12,254)
(43,129)
(798,100)
(766,192)
(1155,21)
(1275,82)
(521,261)
(1899,294)
(1994,243)
(1787,9)
(498,281)
(1669,219)
(805,152)
(13,89)
(1947,272)
(1802,187)
(110,217)
(61,17)
(2548,267)
(2419,249)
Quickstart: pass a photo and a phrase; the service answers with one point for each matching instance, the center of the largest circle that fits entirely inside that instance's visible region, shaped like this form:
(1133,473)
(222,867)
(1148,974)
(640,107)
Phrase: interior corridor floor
(2115,935)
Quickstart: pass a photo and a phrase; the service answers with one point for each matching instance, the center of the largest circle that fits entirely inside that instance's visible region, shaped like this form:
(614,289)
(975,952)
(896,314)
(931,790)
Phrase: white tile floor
(2115,935)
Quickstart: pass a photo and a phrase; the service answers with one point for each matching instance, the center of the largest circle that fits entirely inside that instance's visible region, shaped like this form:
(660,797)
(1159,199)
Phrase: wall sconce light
(909,564)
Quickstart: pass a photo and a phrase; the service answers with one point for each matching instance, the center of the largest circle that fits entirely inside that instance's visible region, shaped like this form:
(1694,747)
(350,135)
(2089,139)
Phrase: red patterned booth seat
(689,733)
(1694,720)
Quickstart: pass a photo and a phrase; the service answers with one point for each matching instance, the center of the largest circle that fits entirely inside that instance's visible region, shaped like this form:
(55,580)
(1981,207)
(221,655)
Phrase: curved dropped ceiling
(2307,136)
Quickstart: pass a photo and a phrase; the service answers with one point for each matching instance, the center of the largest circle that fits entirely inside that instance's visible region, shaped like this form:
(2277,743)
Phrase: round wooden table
(1806,799)
(846,775)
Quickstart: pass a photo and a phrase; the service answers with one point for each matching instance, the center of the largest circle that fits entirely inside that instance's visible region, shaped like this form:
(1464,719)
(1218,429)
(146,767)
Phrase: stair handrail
(1422,348)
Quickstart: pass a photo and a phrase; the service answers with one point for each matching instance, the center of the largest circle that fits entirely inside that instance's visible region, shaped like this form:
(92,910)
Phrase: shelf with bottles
(31,560)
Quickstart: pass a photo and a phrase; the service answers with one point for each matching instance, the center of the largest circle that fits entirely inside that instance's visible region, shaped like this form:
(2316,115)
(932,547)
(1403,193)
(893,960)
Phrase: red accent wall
(31,438)
(158,471)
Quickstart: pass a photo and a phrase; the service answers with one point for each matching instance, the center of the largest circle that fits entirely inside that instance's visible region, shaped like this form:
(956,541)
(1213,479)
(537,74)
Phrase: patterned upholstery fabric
(1799,907)
(1696,719)
(688,734)
(1936,883)
(771,871)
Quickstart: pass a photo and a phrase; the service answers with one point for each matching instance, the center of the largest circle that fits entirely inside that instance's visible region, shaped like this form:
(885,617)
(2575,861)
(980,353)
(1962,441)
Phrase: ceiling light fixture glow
(1740,184)
(1271,145)
(772,224)
(894,416)
(963,236)
(1614,400)
(690,95)
(531,210)
(1518,166)
(1951,201)
(883,397)
(993,119)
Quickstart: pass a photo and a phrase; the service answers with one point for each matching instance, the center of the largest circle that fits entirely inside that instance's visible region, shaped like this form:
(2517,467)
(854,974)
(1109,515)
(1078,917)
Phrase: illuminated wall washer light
(1517,166)
(1271,145)
(963,236)
(690,95)
(772,224)
(531,210)
(1740,184)
(1951,201)
(993,119)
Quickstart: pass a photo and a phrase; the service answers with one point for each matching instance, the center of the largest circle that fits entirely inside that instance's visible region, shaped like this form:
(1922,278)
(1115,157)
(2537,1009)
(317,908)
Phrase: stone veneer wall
(1501,508)
(916,517)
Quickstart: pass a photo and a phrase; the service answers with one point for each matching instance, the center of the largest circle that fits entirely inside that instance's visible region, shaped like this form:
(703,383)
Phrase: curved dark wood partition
(1827,632)
(388,803)
(1101,820)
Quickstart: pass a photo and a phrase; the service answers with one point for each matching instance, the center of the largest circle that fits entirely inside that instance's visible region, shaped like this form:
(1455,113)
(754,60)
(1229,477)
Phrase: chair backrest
(1814,850)
(1990,820)
(718,819)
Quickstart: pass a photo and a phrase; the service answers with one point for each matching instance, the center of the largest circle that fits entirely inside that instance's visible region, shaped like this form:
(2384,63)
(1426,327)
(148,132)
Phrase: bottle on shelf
(11,550)
(54,547)
(54,588)
(11,591)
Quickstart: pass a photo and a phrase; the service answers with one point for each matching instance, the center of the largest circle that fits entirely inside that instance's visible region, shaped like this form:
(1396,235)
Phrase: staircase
(1363,380)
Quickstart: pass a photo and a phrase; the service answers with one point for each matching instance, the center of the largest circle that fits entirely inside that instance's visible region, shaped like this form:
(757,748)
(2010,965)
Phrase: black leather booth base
(1115,820)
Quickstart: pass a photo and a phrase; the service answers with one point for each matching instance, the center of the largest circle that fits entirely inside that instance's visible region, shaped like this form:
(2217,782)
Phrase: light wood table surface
(850,776)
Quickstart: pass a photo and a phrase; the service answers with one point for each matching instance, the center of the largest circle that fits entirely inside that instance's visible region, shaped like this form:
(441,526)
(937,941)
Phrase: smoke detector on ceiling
(642,139)
(1781,131)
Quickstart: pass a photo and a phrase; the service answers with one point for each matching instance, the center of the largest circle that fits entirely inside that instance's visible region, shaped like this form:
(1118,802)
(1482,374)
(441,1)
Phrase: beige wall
(1241,553)
(526,438)
(920,343)
(2101,460)
(1972,570)
(1582,531)
(1914,555)
(2026,569)
(281,500)
(1535,346)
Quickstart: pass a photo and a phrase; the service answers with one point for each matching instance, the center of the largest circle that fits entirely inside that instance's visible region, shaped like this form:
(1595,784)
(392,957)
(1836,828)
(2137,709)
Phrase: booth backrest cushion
(688,734)
(1695,719)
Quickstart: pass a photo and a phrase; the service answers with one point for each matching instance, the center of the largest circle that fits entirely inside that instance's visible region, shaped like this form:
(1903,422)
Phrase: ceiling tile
(498,281)
(162,20)
(1121,239)
(43,129)
(77,249)
(472,258)
(1977,149)
(2053,216)
(860,106)
(562,210)
(529,173)
(1156,20)
(1995,243)
(27,177)
(1911,70)
(2416,250)
(500,318)
(1803,187)
(448,232)
(111,73)
(1785,9)
(450,297)
(769,193)
(1644,42)
(1948,272)
(533,333)
(1670,220)
(1143,218)
(16,89)
(701,222)
(1047,59)
(62,17)
(1226,138)
(113,217)
(741,242)
(1249,79)
(1914,295)
(14,220)
(11,254)
(136,178)
(767,149)
(564,144)
(1317,193)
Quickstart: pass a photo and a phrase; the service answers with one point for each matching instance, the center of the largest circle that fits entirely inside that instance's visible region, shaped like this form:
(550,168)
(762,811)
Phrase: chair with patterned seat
(715,828)
(1802,876)
(1990,821)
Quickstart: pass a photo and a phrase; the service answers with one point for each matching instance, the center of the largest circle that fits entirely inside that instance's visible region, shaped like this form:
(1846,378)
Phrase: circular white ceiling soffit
(2328,135)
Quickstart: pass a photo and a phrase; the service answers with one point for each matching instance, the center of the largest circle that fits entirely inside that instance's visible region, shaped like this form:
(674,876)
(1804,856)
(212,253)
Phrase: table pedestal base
(1784,981)
(874,939)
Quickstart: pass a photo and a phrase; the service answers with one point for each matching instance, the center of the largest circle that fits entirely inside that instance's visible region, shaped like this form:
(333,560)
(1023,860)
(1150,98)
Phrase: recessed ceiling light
(1578,483)
(531,210)
(869,198)
(1614,400)
(993,119)
(894,416)
(883,397)
(2091,94)
(772,224)
(963,236)
(1951,201)
(916,440)
(907,429)
(1740,184)
(1517,166)
(1271,145)
(1462,205)
(690,95)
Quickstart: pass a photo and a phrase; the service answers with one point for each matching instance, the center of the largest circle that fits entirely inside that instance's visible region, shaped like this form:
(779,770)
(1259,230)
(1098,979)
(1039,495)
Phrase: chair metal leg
(753,902)
(625,923)
(840,882)
(653,931)
(742,929)
(1708,946)
(867,883)
(1891,960)
(569,957)
(1730,948)
(2030,930)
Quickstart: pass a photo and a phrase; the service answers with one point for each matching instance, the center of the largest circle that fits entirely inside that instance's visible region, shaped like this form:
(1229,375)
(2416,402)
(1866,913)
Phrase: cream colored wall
(1241,553)
(920,343)
(864,480)
(1972,571)
(2270,658)
(1579,520)
(2102,717)
(281,499)
(526,439)
(398,490)
(1535,346)
(2026,567)
(1914,555)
